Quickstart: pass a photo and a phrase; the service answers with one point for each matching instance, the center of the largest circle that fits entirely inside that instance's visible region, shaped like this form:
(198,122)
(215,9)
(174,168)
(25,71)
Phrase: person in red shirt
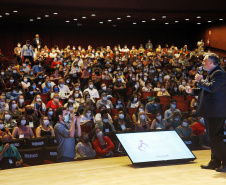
(56,63)
(198,128)
(55,102)
(102,144)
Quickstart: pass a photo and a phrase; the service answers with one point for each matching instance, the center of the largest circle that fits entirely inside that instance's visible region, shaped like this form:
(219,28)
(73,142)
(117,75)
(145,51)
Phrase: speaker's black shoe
(212,165)
(221,169)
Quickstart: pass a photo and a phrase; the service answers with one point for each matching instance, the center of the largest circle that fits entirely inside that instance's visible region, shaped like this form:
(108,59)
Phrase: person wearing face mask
(13,109)
(51,117)
(27,52)
(143,122)
(25,83)
(87,117)
(193,117)
(198,128)
(53,53)
(3,105)
(119,103)
(84,149)
(169,112)
(20,103)
(38,68)
(174,91)
(92,91)
(64,91)
(147,87)
(133,103)
(65,135)
(17,52)
(3,130)
(184,130)
(22,130)
(122,123)
(9,155)
(9,123)
(153,105)
(106,90)
(104,101)
(44,129)
(56,75)
(48,87)
(38,104)
(158,122)
(102,144)
(55,102)
(163,92)
(13,95)
(175,120)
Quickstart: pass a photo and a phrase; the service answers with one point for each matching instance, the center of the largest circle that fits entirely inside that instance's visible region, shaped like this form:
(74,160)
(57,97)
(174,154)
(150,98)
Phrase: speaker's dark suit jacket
(212,95)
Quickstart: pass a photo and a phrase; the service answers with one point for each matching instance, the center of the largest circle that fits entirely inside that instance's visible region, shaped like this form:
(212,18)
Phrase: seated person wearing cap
(104,101)
(153,105)
(9,155)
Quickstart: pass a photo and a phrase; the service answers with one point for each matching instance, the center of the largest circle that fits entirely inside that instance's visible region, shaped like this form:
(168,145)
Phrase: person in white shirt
(53,54)
(125,49)
(64,90)
(93,92)
(25,68)
(27,52)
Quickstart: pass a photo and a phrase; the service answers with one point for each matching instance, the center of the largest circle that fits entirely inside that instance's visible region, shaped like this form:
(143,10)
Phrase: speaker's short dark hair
(59,111)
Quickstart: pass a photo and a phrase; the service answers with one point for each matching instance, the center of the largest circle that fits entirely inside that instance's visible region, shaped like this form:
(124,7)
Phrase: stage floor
(117,170)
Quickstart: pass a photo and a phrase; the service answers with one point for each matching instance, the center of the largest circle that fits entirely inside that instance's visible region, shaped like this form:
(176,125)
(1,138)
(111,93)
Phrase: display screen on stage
(154,146)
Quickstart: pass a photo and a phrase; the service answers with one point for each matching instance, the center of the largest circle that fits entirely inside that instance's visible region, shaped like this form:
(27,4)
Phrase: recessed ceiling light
(221,19)
(114,25)
(55,13)
(84,17)
(134,23)
(153,19)
(67,21)
(15,11)
(75,19)
(31,20)
(163,16)
(118,18)
(101,22)
(209,21)
(186,19)
(0,15)
(166,23)
(79,24)
(38,17)
(176,21)
(46,15)
(93,14)
(128,16)
(198,17)
(7,13)
(109,20)
(143,21)
(198,23)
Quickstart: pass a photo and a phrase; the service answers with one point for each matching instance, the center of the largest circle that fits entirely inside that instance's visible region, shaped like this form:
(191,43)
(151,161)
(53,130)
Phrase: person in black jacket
(211,106)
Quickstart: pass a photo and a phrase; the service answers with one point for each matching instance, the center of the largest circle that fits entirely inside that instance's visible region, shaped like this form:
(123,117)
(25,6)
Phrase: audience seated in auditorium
(184,130)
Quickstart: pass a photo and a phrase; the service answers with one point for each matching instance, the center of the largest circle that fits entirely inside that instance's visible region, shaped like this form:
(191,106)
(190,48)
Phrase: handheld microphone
(200,70)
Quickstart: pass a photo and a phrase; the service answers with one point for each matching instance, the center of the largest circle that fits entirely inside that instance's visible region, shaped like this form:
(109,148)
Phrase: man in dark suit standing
(211,106)
(37,41)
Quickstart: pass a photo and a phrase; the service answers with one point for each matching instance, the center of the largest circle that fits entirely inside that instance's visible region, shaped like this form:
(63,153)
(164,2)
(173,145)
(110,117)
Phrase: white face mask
(91,86)
(38,99)
(1,126)
(14,105)
(159,117)
(70,108)
(76,95)
(100,134)
(21,100)
(185,124)
(121,116)
(7,116)
(2,102)
(23,122)
(88,114)
(105,98)
(25,79)
(135,99)
(105,120)
(104,88)
(142,117)
(46,122)
(11,81)
(66,118)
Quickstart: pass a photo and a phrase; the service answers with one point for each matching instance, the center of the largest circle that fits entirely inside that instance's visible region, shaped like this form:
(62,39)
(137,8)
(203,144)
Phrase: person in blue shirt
(47,88)
(38,68)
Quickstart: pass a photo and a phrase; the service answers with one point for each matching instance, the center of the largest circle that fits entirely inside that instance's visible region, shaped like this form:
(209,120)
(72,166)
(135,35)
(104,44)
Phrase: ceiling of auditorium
(108,12)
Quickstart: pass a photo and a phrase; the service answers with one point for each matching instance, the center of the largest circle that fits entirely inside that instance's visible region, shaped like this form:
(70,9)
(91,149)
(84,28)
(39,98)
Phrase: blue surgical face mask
(173,106)
(176,119)
(50,113)
(66,118)
(56,89)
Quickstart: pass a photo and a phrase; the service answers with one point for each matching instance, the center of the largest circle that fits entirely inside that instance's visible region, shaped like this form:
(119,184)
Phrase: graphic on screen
(154,146)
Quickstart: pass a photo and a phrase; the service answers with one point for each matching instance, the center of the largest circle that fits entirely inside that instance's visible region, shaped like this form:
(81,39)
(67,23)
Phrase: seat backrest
(86,128)
(18,143)
(148,94)
(131,111)
(52,141)
(50,153)
(164,99)
(37,142)
(33,156)
(178,98)
(183,106)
